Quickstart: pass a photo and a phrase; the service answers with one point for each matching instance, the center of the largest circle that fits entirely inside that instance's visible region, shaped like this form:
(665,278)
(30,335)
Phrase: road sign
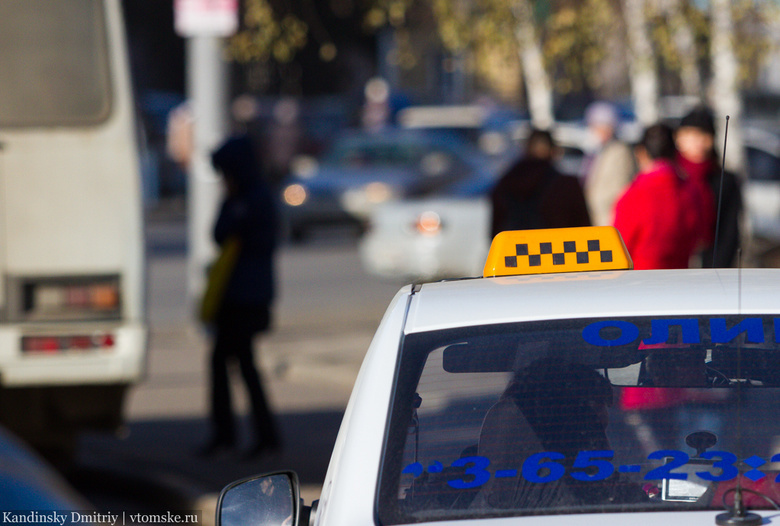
(194,18)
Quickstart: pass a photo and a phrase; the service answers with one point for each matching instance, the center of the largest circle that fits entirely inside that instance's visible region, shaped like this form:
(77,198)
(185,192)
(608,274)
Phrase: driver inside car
(550,406)
(676,367)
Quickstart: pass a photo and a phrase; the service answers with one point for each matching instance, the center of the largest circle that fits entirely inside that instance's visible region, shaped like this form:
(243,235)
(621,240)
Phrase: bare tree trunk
(538,86)
(644,78)
(724,89)
(683,39)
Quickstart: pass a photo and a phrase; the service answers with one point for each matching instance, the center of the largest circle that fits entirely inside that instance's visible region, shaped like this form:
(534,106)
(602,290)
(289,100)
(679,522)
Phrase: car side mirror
(264,500)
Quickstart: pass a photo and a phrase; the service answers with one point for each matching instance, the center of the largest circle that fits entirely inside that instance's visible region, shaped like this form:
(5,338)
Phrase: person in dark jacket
(533,194)
(248,214)
(695,138)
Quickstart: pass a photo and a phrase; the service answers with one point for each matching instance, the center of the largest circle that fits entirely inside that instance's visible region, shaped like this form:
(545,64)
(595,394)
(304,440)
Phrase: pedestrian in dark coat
(534,194)
(695,138)
(248,214)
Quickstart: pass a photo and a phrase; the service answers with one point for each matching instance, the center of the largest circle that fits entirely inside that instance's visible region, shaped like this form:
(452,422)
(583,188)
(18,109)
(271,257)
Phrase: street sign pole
(207,88)
(205,24)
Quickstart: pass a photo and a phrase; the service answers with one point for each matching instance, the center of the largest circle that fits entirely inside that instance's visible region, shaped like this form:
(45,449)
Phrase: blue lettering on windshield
(611,333)
(752,327)
(661,329)
(623,333)
(592,466)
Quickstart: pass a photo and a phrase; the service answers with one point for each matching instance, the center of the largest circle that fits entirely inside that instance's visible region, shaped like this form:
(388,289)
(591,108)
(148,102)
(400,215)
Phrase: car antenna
(738,515)
(720,193)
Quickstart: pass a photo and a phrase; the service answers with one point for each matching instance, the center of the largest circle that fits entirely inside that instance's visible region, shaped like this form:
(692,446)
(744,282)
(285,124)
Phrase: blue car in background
(362,170)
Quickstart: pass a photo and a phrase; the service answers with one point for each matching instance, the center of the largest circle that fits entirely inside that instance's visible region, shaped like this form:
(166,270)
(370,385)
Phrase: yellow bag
(218,278)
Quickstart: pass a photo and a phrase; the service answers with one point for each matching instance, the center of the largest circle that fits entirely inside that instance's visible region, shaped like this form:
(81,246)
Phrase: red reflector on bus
(106,340)
(40,344)
(55,344)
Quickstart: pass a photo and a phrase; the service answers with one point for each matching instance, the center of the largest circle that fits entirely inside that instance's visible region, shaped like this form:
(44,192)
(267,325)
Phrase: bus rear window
(53,63)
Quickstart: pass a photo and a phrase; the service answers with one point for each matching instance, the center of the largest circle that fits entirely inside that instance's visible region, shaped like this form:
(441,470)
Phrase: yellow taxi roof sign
(554,250)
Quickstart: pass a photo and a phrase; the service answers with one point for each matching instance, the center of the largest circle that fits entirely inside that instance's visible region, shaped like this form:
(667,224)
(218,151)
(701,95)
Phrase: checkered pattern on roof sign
(557,250)
(580,257)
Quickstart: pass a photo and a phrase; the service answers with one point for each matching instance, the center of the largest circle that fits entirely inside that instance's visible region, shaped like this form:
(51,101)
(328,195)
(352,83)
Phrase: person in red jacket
(659,214)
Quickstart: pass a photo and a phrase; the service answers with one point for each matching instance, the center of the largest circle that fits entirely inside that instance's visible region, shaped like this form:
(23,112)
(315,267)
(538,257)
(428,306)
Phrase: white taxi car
(561,388)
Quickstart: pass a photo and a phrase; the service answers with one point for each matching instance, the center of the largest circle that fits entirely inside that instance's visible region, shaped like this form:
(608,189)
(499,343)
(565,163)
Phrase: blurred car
(448,235)
(428,239)
(365,169)
(505,399)
(28,483)
(487,128)
(761,190)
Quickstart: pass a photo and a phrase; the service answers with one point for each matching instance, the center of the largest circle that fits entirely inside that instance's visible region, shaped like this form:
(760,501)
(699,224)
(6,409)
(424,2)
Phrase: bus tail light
(68,298)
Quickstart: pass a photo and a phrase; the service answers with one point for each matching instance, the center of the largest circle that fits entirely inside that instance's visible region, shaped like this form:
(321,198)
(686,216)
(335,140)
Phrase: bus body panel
(71,223)
(69,214)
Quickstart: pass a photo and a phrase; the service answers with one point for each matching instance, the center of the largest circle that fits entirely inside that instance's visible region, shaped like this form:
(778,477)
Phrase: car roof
(29,483)
(392,135)
(470,302)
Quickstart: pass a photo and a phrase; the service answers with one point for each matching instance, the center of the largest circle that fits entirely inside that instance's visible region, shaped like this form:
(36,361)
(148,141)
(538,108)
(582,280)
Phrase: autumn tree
(266,35)
(490,25)
(563,46)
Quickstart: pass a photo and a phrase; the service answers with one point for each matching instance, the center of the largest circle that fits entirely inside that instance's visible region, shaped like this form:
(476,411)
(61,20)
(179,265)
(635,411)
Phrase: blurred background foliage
(583,43)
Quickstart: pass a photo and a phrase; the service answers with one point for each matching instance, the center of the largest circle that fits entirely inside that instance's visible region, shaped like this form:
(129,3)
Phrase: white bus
(72,328)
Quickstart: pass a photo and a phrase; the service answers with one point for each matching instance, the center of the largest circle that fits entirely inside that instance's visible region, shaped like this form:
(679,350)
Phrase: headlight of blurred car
(295,195)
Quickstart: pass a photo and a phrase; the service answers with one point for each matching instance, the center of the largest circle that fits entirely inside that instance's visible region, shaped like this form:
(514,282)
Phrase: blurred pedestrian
(284,141)
(247,219)
(609,171)
(695,140)
(658,216)
(533,194)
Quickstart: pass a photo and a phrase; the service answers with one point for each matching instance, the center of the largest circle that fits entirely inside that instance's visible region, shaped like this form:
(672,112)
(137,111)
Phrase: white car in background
(447,235)
(428,239)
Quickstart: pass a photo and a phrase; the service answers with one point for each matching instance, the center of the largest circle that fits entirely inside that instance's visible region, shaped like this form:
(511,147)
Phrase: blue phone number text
(592,466)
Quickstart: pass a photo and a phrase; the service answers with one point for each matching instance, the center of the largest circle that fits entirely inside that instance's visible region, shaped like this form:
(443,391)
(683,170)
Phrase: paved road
(326,315)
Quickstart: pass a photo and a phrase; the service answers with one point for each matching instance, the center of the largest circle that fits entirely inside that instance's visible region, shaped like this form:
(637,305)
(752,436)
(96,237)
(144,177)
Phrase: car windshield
(366,154)
(583,416)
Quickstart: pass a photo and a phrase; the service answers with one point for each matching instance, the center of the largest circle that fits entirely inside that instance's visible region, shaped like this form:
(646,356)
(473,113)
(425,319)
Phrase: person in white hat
(610,170)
